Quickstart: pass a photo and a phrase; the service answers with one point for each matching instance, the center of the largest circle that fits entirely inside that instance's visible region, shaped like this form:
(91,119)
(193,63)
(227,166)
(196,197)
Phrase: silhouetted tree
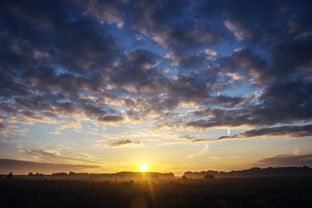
(10,175)
(59,174)
(209,176)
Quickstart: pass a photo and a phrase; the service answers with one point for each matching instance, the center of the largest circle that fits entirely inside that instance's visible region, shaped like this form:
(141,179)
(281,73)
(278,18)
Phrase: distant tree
(209,176)
(59,174)
(10,175)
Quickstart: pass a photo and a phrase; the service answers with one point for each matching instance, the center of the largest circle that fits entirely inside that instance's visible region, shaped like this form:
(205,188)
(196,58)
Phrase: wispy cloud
(54,155)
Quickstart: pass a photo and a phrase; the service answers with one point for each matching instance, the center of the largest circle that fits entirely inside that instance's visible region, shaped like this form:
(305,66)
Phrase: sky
(177,85)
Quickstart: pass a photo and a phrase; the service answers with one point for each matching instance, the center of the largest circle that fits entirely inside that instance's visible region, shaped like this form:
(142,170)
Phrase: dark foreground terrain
(224,192)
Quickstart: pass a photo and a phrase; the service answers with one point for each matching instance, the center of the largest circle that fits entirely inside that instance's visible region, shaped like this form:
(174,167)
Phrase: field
(222,192)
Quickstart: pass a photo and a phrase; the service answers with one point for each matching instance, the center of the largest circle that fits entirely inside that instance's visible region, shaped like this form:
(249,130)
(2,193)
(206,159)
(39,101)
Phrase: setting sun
(143,168)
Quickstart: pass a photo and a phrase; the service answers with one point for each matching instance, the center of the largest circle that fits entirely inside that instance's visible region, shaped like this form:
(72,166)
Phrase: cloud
(25,167)
(4,129)
(269,109)
(254,22)
(185,60)
(45,55)
(53,155)
(210,52)
(157,20)
(82,61)
(187,137)
(239,32)
(122,142)
(286,161)
(286,131)
(104,11)
(111,119)
(9,140)
(8,129)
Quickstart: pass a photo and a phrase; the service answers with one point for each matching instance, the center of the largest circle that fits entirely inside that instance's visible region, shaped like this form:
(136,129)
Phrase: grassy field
(239,192)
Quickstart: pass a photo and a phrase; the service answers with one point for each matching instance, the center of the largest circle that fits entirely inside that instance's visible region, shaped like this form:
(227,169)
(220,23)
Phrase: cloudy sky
(176,84)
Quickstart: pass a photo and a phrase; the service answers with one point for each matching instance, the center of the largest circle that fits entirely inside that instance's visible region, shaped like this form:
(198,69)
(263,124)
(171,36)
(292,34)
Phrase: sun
(143,168)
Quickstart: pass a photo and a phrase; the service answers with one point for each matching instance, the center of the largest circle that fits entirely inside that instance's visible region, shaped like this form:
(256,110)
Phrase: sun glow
(143,168)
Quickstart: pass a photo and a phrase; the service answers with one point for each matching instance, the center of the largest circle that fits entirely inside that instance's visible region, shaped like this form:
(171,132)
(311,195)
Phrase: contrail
(203,151)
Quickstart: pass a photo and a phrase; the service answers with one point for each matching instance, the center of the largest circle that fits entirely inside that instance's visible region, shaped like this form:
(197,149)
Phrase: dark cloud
(161,21)
(287,59)
(189,60)
(43,32)
(52,52)
(180,36)
(122,142)
(286,161)
(292,57)
(25,167)
(111,119)
(288,131)
(105,11)
(137,68)
(271,110)
(82,60)
(261,22)
(246,63)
